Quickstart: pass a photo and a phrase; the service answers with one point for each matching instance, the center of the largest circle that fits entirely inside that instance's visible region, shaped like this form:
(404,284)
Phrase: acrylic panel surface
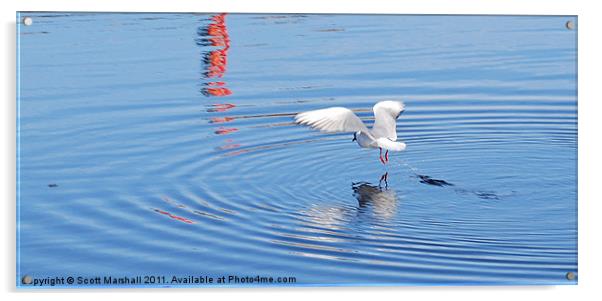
(163,145)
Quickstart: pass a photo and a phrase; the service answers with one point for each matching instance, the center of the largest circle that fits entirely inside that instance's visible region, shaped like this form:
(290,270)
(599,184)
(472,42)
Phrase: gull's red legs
(381,155)
(387,156)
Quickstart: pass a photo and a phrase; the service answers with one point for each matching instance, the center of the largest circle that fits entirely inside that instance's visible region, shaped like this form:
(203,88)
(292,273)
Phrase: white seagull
(383,134)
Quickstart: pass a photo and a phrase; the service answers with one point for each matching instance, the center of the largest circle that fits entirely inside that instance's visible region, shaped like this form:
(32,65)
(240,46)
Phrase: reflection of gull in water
(340,120)
(383,202)
(373,202)
(323,225)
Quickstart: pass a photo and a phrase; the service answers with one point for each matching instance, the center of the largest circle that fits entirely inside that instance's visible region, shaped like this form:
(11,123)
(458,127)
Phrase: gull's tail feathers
(387,144)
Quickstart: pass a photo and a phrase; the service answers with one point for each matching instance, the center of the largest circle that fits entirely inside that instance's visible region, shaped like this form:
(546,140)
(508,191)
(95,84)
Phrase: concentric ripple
(163,144)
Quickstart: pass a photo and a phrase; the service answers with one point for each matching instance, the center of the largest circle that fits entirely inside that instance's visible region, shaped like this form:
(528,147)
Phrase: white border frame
(589,51)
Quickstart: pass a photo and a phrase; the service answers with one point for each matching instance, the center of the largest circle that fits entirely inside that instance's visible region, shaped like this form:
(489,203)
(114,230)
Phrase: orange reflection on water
(218,32)
(217,91)
(229,145)
(217,63)
(221,119)
(221,107)
(216,60)
(224,131)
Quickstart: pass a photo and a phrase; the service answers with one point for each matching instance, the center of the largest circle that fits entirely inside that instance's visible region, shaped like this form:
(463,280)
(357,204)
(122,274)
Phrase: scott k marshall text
(150,280)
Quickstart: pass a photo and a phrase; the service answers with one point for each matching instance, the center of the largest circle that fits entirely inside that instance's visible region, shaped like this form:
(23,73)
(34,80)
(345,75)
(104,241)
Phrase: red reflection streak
(178,218)
(221,107)
(229,146)
(217,91)
(221,119)
(224,131)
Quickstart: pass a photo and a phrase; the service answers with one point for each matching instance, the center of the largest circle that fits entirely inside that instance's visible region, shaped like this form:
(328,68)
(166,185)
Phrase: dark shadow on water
(482,194)
(435,182)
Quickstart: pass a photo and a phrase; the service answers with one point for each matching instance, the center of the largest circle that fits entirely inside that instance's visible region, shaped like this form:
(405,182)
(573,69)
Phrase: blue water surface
(163,145)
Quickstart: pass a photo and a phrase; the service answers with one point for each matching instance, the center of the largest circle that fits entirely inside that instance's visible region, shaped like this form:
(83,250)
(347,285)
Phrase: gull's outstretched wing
(332,120)
(385,116)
